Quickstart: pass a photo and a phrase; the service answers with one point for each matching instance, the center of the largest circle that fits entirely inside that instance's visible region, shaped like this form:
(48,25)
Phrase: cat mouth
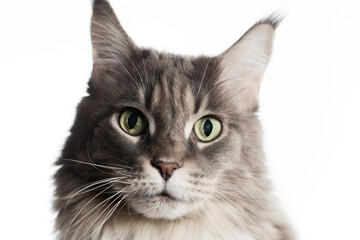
(164,196)
(161,205)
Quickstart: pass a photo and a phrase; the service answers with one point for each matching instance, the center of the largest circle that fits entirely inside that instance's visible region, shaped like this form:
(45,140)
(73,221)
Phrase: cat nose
(166,169)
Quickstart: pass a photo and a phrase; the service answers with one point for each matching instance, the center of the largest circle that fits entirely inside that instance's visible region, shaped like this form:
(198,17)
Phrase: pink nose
(166,169)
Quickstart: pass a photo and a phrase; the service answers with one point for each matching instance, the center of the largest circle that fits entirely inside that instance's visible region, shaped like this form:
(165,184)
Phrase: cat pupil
(133,120)
(208,127)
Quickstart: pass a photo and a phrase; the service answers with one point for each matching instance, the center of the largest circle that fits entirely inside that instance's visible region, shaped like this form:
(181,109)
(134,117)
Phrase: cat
(166,146)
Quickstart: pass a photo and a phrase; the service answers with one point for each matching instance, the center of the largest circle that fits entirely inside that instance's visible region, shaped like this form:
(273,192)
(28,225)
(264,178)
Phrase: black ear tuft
(273,19)
(244,63)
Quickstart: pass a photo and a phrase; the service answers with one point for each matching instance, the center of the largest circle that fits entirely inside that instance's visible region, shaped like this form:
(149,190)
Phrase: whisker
(101,205)
(98,217)
(103,183)
(241,195)
(202,78)
(88,154)
(109,214)
(119,165)
(95,165)
(156,62)
(240,211)
(214,225)
(77,214)
(146,75)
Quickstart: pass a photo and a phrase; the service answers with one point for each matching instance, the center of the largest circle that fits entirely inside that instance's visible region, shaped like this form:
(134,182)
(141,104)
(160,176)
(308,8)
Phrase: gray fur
(222,185)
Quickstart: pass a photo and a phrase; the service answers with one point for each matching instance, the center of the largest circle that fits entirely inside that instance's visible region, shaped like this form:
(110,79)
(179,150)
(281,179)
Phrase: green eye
(133,122)
(207,129)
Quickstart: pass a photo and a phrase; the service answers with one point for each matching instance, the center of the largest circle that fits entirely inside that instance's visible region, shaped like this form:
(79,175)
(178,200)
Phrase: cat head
(161,135)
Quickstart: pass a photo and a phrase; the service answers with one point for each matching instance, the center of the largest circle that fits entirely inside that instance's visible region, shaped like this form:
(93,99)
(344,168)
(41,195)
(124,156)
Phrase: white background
(310,98)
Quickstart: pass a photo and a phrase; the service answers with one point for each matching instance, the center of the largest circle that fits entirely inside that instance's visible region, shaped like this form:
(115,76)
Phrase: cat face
(170,102)
(167,95)
(160,135)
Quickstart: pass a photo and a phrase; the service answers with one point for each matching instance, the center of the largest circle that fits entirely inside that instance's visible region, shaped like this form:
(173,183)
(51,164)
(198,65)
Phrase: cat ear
(244,63)
(109,40)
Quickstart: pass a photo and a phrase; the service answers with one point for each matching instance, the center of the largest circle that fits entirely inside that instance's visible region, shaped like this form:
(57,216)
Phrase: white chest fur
(189,229)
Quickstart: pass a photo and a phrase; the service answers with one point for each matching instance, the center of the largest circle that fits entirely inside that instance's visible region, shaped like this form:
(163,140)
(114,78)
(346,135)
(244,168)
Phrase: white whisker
(103,183)
(77,214)
(202,78)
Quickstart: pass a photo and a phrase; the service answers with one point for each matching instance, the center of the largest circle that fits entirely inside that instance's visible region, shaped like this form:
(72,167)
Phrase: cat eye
(132,122)
(207,129)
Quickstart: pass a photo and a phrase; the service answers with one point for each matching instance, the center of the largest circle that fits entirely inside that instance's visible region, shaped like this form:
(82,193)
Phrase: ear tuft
(244,63)
(273,19)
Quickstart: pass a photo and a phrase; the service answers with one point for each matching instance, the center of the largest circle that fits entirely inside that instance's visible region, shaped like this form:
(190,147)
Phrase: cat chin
(160,207)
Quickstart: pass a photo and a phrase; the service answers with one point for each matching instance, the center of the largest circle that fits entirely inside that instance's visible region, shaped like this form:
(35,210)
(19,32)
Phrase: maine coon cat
(166,146)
